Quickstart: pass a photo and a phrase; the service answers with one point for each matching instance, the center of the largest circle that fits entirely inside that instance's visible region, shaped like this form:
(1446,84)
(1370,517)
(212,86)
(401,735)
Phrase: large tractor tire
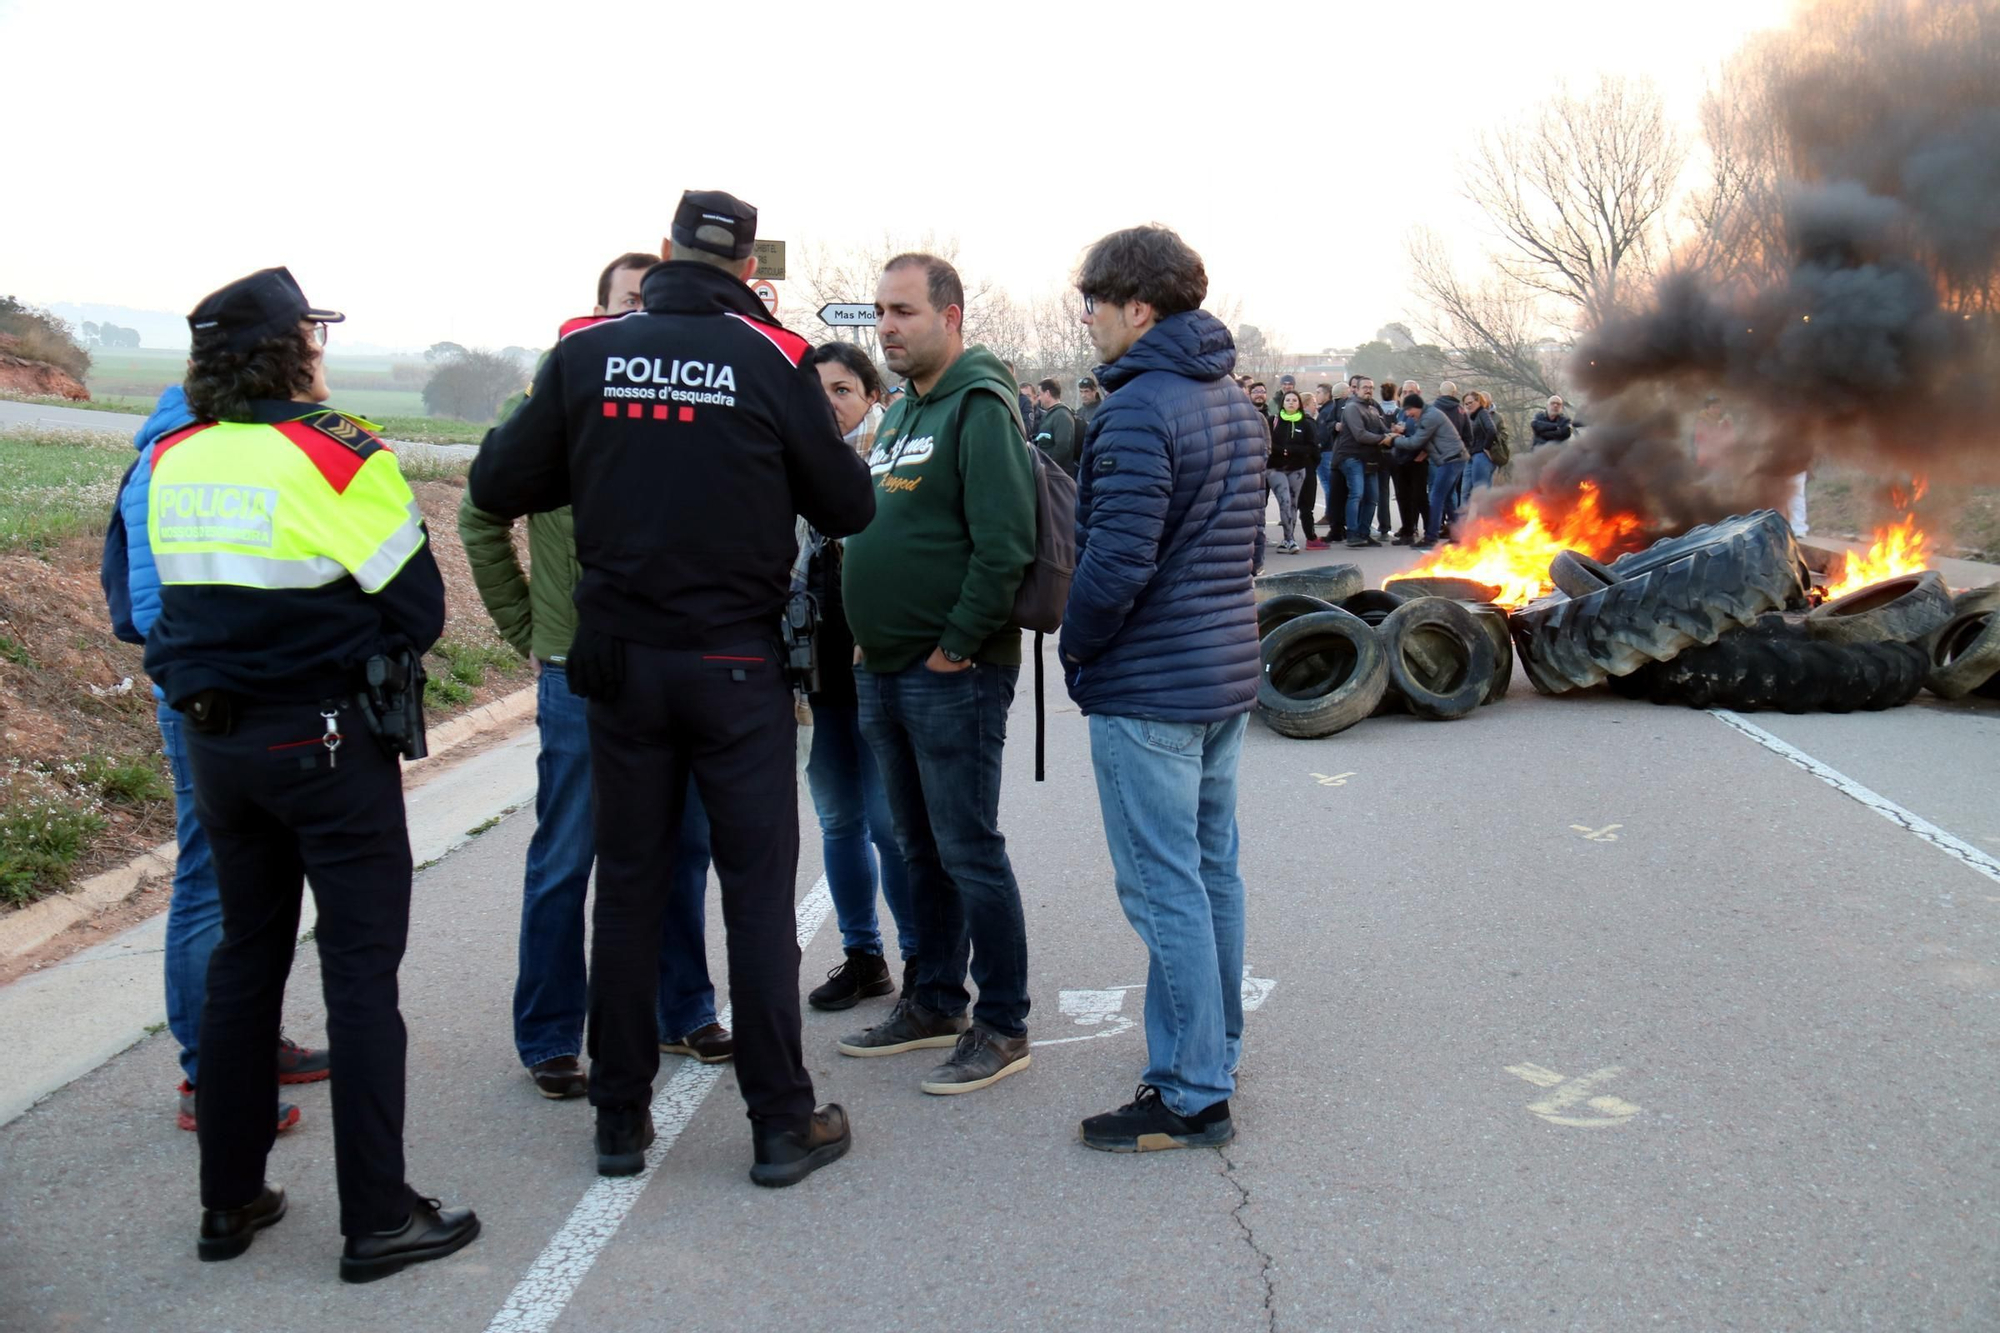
(1440,657)
(1322,674)
(1898,610)
(1329,583)
(1676,594)
(1776,665)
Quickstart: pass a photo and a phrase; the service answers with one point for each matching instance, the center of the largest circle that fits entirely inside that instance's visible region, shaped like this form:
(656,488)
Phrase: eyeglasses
(1089,305)
(319,334)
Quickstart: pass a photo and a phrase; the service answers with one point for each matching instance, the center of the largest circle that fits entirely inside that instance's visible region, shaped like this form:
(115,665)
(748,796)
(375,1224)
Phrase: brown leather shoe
(711,1045)
(560,1078)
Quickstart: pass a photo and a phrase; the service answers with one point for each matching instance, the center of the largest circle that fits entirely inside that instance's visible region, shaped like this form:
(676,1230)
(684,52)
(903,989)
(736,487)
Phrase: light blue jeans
(1478,473)
(194,914)
(1168,793)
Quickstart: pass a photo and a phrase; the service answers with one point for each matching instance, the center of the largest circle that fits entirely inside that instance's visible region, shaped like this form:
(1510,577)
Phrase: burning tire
(1676,594)
(1330,583)
(1777,666)
(1578,575)
(1898,610)
(1322,674)
(1440,657)
(1286,607)
(1458,590)
(1964,654)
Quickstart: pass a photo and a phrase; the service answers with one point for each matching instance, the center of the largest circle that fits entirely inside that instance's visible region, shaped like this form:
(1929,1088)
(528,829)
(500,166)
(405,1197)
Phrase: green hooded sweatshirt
(954,528)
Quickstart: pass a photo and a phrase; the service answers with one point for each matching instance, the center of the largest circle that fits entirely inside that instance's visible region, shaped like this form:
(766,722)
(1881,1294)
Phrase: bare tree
(1579,193)
(1498,334)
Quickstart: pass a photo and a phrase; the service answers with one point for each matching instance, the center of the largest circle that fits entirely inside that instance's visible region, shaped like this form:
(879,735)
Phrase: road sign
(767,293)
(770,259)
(855,316)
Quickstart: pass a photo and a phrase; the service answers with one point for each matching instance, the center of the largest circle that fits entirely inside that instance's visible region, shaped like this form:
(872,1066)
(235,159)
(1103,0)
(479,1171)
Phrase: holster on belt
(211,712)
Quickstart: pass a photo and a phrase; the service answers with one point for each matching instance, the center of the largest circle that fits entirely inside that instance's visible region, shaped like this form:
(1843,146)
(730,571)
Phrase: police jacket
(289,551)
(686,437)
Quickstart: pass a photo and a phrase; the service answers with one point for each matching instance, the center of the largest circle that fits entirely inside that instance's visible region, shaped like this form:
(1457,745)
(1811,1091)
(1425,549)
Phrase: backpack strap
(1041,717)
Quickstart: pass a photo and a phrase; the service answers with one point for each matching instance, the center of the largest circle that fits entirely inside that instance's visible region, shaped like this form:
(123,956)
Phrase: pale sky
(461,171)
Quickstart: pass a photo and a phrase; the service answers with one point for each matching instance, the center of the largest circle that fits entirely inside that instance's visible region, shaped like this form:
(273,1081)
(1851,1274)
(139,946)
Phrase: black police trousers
(1413,499)
(724,715)
(278,813)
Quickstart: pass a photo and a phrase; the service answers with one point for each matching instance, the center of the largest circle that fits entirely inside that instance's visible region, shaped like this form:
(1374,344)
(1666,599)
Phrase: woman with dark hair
(293,563)
(1483,431)
(847,791)
(1294,450)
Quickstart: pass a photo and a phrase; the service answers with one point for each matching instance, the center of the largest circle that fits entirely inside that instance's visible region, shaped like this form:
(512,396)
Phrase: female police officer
(290,553)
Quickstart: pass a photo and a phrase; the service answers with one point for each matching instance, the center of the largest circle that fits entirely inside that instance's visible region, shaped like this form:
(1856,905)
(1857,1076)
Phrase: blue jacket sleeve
(1130,481)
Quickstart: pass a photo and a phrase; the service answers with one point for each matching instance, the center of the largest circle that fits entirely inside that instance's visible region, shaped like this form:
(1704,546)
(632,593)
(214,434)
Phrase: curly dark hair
(1150,264)
(854,359)
(220,382)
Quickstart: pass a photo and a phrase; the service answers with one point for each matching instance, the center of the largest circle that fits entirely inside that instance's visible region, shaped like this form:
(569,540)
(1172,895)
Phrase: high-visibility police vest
(290,505)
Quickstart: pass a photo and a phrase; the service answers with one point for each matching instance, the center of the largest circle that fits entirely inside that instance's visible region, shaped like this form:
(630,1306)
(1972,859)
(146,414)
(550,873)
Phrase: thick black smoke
(1872,344)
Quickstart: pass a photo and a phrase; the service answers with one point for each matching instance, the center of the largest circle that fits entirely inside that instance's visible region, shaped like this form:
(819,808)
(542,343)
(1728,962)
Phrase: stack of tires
(1699,620)
(1964,652)
(1328,665)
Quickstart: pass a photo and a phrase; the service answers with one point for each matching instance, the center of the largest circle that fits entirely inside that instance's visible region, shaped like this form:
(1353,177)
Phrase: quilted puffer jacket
(1161,622)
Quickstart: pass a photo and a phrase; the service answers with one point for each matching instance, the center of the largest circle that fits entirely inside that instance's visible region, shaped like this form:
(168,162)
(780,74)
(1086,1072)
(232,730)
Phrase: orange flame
(1898,549)
(1512,552)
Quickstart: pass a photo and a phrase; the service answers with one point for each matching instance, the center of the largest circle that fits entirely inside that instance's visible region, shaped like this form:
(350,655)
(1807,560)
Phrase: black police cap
(261,306)
(715,210)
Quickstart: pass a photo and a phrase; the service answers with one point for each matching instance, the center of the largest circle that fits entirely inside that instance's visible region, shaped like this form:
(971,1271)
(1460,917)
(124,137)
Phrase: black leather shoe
(623,1135)
(787,1156)
(227,1232)
(559,1079)
(432,1232)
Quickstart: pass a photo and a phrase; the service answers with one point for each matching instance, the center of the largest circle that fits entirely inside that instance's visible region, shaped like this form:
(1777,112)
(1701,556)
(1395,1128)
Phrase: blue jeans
(1444,496)
(1361,486)
(854,812)
(550,993)
(1326,484)
(938,739)
(1168,792)
(1478,472)
(194,915)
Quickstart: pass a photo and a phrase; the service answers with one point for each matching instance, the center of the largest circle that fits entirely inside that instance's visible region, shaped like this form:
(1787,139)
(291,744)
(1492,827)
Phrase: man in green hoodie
(929,588)
(535,614)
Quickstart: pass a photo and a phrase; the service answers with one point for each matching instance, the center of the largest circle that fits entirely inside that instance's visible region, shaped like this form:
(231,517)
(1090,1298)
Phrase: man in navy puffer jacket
(1159,646)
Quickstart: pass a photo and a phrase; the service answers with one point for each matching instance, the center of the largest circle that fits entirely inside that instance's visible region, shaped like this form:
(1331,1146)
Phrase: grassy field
(59,483)
(369,386)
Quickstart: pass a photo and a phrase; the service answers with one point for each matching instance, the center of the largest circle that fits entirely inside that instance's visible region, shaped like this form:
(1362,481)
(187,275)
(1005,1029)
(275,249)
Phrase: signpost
(767,293)
(849,316)
(770,259)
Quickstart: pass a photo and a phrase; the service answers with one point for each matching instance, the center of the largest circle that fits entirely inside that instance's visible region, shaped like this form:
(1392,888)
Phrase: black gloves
(596,666)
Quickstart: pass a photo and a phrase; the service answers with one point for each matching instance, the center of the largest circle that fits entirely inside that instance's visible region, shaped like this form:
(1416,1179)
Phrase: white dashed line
(540,1297)
(1956,848)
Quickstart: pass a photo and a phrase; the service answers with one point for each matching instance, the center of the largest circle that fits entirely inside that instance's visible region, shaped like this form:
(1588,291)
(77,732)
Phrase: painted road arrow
(847,316)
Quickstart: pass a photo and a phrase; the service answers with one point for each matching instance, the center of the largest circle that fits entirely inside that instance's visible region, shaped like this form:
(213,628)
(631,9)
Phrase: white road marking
(1609,833)
(1105,1009)
(542,1294)
(1567,1092)
(1954,847)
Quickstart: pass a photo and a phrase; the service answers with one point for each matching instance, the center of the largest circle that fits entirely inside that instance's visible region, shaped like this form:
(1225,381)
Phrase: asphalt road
(1577,1013)
(125,423)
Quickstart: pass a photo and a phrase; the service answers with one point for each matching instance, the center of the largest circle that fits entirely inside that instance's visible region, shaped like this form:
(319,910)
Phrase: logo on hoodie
(895,453)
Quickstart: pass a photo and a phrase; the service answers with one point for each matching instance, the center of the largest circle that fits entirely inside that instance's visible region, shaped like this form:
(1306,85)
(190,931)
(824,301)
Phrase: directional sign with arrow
(855,316)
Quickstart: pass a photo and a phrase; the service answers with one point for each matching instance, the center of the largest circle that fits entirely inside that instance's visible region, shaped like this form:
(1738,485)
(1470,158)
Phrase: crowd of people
(1352,451)
(690,472)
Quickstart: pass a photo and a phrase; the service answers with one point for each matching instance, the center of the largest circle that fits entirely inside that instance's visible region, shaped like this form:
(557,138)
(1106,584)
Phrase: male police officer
(686,438)
(294,566)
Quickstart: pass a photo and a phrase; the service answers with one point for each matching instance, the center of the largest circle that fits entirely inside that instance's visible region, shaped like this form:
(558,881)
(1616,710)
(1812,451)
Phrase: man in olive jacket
(929,588)
(534,613)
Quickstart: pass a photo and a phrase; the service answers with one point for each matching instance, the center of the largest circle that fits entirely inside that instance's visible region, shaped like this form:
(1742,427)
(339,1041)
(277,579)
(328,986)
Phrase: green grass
(130,781)
(59,483)
(11,651)
(468,663)
(432,430)
(46,825)
(441,692)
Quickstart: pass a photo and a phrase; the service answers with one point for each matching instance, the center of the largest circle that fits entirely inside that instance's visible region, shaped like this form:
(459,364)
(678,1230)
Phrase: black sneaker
(909,1027)
(983,1058)
(623,1135)
(787,1156)
(861,977)
(1144,1124)
(432,1232)
(1399,540)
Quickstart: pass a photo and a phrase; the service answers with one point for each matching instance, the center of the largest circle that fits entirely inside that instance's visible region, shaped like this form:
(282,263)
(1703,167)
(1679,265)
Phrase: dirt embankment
(19,374)
(70,691)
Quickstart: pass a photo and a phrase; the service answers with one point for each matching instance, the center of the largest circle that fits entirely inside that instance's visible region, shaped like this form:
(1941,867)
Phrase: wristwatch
(956,659)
